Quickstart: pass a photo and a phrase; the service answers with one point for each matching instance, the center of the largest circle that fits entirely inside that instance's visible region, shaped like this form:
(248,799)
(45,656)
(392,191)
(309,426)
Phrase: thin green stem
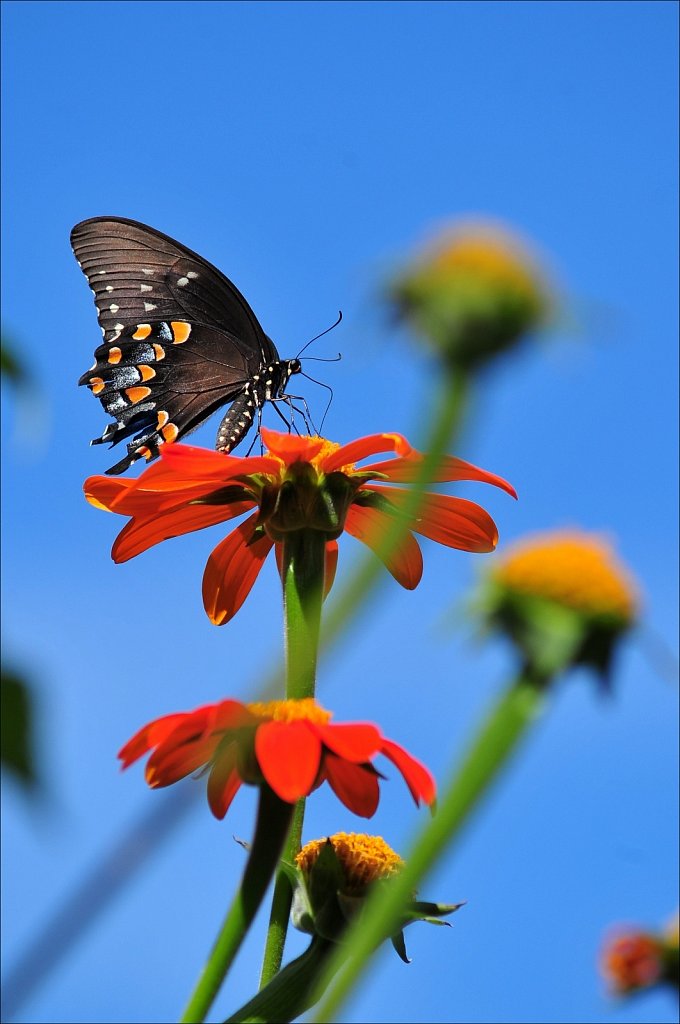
(291,992)
(498,737)
(304,562)
(273,823)
(452,404)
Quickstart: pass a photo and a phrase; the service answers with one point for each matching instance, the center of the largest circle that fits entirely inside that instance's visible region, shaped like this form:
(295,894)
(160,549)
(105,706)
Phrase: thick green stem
(273,823)
(291,992)
(496,740)
(304,562)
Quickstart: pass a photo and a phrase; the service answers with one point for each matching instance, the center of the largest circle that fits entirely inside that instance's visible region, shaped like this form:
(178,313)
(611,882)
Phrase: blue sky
(307,149)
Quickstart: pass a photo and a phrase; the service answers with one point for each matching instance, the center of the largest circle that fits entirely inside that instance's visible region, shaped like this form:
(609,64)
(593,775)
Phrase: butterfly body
(179,341)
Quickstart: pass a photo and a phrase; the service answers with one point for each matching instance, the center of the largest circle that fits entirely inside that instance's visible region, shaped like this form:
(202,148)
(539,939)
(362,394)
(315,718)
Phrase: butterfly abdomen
(267,386)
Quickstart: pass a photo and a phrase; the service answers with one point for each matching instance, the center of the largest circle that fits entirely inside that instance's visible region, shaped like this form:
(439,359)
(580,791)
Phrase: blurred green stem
(498,737)
(304,563)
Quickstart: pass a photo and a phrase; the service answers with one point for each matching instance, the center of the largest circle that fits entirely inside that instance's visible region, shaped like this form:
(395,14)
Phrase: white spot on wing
(192,274)
(114,308)
(147,272)
(145,288)
(182,281)
(101,272)
(148,306)
(109,287)
(119,327)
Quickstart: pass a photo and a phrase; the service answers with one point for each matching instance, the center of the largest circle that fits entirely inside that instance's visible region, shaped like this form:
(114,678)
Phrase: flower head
(334,877)
(291,745)
(632,960)
(301,483)
(473,293)
(562,598)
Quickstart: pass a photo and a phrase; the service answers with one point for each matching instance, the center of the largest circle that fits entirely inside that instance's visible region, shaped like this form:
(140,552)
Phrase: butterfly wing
(179,338)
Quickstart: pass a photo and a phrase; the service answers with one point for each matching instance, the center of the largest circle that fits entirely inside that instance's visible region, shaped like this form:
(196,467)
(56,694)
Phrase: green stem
(496,740)
(273,823)
(291,992)
(452,404)
(304,563)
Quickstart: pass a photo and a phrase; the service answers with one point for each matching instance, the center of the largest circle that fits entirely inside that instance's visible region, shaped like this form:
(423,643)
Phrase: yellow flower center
(291,711)
(490,255)
(365,859)
(574,569)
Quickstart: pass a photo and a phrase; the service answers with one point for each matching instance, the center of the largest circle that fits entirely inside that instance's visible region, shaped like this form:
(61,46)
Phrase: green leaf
(16,733)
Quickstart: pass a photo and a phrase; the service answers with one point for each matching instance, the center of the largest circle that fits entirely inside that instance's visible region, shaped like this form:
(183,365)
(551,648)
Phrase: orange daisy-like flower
(301,483)
(291,745)
(631,961)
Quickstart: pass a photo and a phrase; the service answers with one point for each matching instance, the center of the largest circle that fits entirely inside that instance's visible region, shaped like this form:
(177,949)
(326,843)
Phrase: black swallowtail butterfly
(179,341)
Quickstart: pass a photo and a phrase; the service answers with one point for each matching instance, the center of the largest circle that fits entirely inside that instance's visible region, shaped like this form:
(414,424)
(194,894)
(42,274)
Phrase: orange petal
(291,447)
(224,781)
(142,533)
(455,522)
(103,491)
(356,786)
(149,736)
(416,776)
(288,754)
(331,566)
(231,571)
(203,463)
(405,470)
(355,741)
(171,762)
(369,526)
(362,448)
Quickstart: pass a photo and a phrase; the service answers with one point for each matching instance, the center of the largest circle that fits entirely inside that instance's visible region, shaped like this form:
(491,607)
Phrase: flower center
(577,570)
(291,711)
(365,859)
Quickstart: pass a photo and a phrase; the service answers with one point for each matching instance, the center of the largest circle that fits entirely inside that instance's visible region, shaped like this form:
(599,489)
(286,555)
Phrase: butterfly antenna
(330,399)
(321,336)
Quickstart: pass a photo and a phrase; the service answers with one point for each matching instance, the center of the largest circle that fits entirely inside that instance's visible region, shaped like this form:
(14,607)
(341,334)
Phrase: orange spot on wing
(143,331)
(162,419)
(160,351)
(146,452)
(115,355)
(137,394)
(180,331)
(170,432)
(146,371)
(97,385)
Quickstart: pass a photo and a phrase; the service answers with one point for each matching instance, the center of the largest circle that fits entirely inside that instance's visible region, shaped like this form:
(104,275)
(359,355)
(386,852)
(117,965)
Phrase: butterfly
(179,341)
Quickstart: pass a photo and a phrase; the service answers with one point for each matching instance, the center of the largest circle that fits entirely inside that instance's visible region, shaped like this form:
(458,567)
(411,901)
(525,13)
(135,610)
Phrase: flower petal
(363,447)
(416,776)
(291,447)
(288,754)
(331,566)
(369,525)
(224,781)
(203,463)
(355,785)
(455,522)
(143,532)
(104,491)
(405,470)
(354,741)
(149,736)
(231,571)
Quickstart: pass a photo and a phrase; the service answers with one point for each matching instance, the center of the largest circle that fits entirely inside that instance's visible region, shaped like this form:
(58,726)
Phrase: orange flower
(290,745)
(632,960)
(302,483)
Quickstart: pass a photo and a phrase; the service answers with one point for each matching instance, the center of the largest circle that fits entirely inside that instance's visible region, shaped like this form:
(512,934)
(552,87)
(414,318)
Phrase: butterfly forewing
(179,338)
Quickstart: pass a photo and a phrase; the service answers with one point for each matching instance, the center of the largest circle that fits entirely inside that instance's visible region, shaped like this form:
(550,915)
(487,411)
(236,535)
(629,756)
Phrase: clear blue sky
(306,148)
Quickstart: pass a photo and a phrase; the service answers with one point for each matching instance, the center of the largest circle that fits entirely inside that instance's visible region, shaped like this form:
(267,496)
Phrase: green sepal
(400,946)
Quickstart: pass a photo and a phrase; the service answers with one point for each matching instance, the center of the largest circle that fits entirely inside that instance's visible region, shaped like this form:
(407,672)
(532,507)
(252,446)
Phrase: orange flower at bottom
(632,960)
(300,484)
(291,745)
